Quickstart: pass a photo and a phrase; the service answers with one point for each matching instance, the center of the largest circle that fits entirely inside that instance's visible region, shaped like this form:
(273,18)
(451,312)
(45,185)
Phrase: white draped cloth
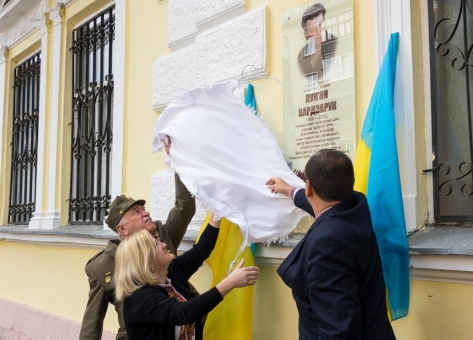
(224,155)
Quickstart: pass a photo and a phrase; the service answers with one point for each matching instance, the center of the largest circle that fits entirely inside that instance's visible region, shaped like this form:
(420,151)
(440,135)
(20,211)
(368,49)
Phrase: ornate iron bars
(24,140)
(451,24)
(92,116)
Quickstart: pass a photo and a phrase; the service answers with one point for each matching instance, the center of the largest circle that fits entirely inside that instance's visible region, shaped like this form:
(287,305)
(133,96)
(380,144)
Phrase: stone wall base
(22,322)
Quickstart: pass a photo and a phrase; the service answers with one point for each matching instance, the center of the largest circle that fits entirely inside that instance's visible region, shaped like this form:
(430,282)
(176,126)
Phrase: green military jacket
(101,267)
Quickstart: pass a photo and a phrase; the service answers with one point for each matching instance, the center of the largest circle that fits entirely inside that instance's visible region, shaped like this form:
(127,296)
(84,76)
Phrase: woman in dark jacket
(158,303)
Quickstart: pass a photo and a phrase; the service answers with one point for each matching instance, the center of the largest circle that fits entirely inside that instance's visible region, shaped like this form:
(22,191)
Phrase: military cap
(118,207)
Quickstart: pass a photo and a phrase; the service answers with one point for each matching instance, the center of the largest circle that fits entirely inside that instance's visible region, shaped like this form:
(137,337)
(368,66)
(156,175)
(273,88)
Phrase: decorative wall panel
(218,54)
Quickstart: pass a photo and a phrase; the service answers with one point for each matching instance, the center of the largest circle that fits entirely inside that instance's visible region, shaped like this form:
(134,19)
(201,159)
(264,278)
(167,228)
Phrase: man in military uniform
(126,216)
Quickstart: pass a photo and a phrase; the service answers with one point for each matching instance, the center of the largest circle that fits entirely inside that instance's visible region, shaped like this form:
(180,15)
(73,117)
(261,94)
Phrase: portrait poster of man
(319,80)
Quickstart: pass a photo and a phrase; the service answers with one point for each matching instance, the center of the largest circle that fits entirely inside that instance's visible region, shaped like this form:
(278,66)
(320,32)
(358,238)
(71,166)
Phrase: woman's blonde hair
(133,261)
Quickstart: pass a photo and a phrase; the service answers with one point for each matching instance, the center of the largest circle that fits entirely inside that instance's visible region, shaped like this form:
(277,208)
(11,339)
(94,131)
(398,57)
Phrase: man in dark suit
(335,272)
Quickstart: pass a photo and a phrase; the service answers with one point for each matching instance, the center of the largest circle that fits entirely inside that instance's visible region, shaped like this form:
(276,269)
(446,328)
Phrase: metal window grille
(92,116)
(24,140)
(451,53)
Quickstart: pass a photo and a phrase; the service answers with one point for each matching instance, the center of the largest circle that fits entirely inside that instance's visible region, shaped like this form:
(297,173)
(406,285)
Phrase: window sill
(442,254)
(94,236)
(83,236)
(436,253)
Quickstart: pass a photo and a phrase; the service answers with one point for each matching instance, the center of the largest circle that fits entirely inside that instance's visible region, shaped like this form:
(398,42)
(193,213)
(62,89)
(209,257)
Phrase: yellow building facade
(161,49)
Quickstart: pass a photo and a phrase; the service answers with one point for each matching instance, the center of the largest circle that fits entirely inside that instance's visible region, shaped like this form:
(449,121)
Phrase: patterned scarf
(187,331)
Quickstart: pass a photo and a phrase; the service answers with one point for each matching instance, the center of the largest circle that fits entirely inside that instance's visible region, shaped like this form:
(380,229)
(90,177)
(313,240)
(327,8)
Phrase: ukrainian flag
(232,319)
(377,176)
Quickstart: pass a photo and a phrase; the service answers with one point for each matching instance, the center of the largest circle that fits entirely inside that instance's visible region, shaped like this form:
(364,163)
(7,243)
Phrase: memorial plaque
(319,80)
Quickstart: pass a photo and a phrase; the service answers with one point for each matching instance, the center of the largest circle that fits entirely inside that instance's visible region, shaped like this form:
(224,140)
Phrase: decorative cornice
(57,14)
(44,25)
(36,19)
(210,13)
(66,3)
(201,63)
(3,54)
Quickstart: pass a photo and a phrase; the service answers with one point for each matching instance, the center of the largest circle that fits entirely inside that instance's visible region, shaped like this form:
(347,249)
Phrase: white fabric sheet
(224,155)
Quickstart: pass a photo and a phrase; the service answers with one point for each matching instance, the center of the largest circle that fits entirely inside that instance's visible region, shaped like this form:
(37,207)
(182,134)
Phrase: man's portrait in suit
(321,45)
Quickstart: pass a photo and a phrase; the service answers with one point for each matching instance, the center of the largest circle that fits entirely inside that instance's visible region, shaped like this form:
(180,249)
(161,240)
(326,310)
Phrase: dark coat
(101,267)
(336,276)
(151,314)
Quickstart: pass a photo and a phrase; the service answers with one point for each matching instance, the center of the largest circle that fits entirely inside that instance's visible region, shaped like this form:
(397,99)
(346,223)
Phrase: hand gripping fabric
(224,155)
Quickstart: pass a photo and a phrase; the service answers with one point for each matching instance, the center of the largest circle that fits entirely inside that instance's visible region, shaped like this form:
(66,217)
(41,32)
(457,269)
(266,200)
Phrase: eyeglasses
(159,239)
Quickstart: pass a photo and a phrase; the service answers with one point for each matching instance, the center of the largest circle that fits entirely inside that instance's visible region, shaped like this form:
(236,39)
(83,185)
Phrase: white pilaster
(51,215)
(424,9)
(391,17)
(36,220)
(3,79)
(118,98)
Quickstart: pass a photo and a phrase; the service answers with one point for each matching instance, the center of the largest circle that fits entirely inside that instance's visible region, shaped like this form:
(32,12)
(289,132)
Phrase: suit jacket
(101,267)
(336,276)
(151,314)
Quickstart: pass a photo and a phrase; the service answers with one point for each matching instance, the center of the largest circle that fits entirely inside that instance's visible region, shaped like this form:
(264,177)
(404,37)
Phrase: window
(24,140)
(311,83)
(92,118)
(451,26)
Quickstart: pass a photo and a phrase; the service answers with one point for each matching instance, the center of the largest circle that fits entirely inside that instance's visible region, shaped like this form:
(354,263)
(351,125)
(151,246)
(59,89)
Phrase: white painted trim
(56,240)
(25,25)
(4,64)
(221,17)
(434,275)
(14,10)
(36,220)
(258,74)
(442,268)
(186,41)
(462,263)
(391,17)
(437,268)
(428,106)
(66,3)
(118,98)
(51,216)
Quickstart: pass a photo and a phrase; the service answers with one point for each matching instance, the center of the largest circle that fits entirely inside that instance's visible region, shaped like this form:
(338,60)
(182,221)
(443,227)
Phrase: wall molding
(50,218)
(38,215)
(16,9)
(34,19)
(202,63)
(210,13)
(4,69)
(442,268)
(120,58)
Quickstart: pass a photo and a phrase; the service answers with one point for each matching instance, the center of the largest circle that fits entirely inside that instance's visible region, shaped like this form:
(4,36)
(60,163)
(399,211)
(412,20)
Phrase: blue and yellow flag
(377,176)
(232,319)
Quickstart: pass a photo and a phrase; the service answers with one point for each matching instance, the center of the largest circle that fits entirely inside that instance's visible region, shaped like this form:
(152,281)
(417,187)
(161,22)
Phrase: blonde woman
(158,303)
